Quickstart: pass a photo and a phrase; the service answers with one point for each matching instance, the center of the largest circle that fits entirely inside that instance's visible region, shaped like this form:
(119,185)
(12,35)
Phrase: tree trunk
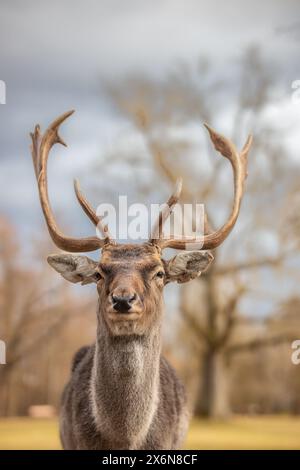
(213,399)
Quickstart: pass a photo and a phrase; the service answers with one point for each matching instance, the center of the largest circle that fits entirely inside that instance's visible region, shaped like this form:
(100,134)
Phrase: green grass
(241,432)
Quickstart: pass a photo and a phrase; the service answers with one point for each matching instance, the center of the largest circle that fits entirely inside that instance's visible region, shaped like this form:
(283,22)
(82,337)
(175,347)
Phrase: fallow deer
(122,393)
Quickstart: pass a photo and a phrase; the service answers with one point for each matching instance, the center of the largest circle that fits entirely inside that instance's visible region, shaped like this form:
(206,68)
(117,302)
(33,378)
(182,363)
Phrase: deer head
(130,277)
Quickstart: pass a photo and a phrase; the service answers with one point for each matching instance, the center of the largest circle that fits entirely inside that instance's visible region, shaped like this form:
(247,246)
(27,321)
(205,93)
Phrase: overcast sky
(54,55)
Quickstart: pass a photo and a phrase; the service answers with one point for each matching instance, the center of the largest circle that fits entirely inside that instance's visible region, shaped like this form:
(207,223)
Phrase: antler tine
(41,146)
(36,140)
(90,212)
(157,234)
(239,165)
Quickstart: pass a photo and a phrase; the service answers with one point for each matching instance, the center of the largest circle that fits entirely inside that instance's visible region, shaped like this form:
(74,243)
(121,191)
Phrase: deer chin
(125,323)
(126,328)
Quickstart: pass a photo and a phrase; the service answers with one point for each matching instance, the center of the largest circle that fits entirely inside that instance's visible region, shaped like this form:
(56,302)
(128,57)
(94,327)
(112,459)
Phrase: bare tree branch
(194,324)
(46,334)
(253,264)
(230,313)
(259,343)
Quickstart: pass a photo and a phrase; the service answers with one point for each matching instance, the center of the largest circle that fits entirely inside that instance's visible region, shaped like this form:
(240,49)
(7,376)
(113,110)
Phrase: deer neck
(125,384)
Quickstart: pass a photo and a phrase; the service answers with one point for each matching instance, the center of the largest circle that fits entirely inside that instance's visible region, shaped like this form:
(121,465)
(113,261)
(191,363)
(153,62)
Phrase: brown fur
(123,394)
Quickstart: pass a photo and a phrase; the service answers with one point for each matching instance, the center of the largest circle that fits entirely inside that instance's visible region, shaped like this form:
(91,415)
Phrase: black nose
(123,303)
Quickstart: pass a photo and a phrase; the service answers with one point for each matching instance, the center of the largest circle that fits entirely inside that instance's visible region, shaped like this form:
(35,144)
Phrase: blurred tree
(164,113)
(37,311)
(268,380)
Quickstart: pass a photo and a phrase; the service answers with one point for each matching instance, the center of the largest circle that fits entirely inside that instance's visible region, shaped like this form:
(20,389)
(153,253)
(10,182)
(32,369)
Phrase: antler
(41,146)
(165,212)
(97,221)
(239,165)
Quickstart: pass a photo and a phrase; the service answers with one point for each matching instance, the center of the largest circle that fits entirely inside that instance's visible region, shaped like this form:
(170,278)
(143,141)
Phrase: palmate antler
(239,165)
(41,146)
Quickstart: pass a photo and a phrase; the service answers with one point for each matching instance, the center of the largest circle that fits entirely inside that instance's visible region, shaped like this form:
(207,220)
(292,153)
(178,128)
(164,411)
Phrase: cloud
(56,52)
(77,41)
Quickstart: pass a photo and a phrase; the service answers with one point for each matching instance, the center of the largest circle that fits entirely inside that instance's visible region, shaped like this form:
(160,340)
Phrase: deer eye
(97,276)
(160,274)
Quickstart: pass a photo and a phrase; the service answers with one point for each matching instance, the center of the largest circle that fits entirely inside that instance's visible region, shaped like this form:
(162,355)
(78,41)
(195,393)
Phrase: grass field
(241,432)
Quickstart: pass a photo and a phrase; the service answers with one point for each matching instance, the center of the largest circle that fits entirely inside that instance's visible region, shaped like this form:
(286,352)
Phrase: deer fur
(123,394)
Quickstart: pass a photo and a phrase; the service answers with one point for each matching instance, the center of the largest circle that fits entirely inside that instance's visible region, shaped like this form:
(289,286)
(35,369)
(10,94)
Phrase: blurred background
(143,78)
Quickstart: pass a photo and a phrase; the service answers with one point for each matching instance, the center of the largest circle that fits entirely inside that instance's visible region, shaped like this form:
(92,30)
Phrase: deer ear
(74,268)
(188,265)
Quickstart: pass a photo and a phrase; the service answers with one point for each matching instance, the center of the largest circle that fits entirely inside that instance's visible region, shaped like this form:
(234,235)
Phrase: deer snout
(122,302)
